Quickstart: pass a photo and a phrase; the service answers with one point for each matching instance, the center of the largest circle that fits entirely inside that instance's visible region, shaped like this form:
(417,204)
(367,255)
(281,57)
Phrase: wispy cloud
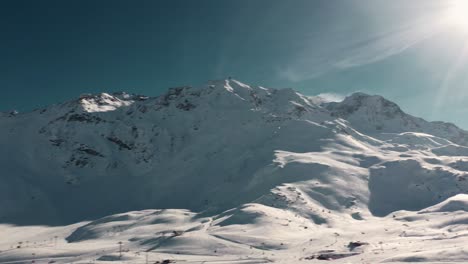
(327,98)
(447,89)
(331,97)
(337,55)
(385,46)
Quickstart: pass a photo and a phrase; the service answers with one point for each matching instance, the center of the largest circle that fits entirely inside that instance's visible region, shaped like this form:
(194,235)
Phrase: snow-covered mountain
(243,171)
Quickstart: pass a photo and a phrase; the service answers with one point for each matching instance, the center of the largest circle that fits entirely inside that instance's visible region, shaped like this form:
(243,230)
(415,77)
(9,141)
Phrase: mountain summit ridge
(217,147)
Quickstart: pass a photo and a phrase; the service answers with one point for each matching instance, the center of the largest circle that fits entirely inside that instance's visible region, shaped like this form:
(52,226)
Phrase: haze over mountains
(258,174)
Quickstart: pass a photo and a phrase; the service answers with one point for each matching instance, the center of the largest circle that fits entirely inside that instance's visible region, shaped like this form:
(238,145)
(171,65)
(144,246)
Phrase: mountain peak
(359,101)
(230,85)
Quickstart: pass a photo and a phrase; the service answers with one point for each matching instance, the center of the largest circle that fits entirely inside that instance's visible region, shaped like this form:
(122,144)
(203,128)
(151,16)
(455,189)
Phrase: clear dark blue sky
(53,51)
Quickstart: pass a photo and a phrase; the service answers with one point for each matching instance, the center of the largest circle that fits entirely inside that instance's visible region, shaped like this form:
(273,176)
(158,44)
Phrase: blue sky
(407,51)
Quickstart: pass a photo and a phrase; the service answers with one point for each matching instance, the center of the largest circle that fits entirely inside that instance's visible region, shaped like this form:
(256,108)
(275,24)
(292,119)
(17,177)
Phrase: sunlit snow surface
(264,176)
(103,103)
(253,233)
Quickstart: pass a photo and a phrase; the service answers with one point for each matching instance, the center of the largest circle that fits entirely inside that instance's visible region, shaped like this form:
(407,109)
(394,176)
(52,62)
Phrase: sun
(457,14)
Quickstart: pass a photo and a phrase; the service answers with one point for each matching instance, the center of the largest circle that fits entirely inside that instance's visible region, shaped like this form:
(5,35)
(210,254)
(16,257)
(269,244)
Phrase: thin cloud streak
(331,97)
(385,47)
(444,91)
(309,64)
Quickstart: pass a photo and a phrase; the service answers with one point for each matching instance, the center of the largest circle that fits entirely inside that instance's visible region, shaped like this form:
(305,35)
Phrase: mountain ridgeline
(221,146)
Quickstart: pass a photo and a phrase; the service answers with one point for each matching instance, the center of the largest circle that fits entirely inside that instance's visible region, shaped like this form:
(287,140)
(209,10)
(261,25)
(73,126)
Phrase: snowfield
(231,173)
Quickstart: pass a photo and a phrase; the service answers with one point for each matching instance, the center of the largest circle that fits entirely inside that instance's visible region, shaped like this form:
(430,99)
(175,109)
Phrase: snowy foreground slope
(257,175)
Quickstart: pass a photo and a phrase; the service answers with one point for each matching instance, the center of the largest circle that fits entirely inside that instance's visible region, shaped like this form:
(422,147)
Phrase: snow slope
(230,172)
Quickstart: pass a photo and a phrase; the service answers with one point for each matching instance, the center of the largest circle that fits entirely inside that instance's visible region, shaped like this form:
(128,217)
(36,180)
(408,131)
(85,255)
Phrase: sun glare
(457,14)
